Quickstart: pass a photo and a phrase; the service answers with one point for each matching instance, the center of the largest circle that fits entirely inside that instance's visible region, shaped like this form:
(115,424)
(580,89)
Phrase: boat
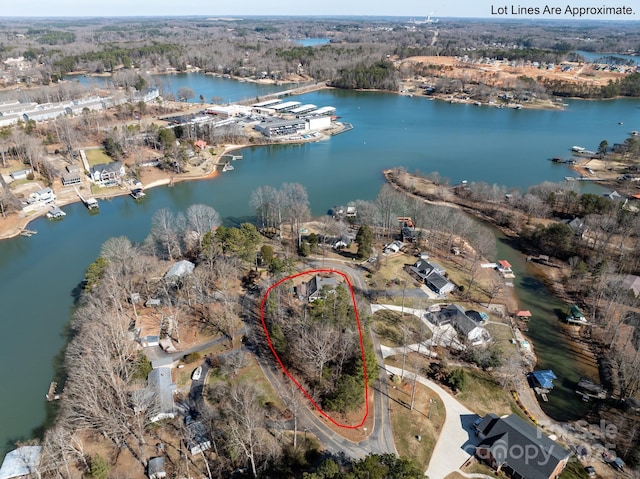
(137,193)
(227,167)
(55,213)
(197,373)
(578,149)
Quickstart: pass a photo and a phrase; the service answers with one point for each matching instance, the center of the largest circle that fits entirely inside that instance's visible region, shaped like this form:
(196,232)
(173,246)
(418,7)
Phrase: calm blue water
(591,56)
(311,42)
(39,274)
(213,89)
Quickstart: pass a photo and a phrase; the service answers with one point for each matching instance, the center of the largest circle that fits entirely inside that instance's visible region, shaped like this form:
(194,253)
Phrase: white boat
(227,167)
(578,149)
(197,373)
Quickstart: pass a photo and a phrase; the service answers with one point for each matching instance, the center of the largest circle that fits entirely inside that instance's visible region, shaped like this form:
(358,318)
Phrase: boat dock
(28,233)
(347,127)
(582,178)
(231,157)
(543,259)
(90,203)
(55,213)
(137,193)
(51,394)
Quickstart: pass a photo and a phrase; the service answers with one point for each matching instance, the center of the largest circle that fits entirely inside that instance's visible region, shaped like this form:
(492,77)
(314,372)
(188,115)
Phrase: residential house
(433,275)
(409,235)
(313,289)
(342,242)
(159,383)
(351,212)
(155,468)
(465,326)
(201,144)
(21,462)
(179,270)
(522,451)
(631,282)
(45,195)
(107,174)
(393,247)
(577,226)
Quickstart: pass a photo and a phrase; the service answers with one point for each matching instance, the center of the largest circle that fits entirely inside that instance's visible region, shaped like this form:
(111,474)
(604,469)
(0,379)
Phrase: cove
(39,275)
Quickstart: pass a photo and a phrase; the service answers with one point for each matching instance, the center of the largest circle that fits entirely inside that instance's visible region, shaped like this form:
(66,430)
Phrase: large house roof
(518,445)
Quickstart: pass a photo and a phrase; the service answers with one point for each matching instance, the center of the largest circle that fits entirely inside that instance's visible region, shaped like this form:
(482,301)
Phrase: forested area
(264,48)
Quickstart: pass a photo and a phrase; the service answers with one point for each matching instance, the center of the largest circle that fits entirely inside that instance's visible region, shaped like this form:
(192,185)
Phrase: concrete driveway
(457,440)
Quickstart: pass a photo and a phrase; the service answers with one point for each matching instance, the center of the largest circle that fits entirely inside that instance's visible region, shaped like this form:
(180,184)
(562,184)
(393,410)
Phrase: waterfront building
(522,451)
(271,128)
(107,174)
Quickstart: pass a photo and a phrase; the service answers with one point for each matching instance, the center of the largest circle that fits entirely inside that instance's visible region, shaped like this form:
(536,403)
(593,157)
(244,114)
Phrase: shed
(20,174)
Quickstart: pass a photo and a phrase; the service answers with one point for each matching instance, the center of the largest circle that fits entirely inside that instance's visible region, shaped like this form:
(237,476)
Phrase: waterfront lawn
(425,420)
(574,470)
(388,327)
(483,395)
(97,156)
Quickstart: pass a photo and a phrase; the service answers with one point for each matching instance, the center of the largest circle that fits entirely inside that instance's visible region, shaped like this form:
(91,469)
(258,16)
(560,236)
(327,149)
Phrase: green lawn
(483,395)
(425,421)
(388,327)
(97,156)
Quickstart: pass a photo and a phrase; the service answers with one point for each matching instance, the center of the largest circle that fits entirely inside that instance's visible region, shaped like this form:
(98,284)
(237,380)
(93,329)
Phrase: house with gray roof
(433,275)
(107,174)
(159,382)
(465,326)
(155,468)
(522,451)
(313,289)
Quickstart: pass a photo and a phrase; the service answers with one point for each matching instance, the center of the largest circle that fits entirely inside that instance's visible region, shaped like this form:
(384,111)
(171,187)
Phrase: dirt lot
(500,74)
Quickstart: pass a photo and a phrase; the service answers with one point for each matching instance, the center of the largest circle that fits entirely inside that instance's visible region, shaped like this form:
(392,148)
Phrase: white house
(45,195)
(107,174)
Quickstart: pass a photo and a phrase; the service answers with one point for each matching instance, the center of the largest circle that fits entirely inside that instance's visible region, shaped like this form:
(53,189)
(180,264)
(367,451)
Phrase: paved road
(380,439)
(457,439)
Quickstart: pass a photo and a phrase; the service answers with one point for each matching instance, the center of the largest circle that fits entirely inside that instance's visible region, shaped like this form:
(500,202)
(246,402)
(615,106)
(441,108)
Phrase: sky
(419,9)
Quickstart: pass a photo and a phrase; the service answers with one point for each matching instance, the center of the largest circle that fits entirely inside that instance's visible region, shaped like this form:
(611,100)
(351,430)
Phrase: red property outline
(364,362)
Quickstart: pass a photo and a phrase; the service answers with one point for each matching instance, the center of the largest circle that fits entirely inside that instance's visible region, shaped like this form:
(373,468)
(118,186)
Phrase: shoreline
(210,172)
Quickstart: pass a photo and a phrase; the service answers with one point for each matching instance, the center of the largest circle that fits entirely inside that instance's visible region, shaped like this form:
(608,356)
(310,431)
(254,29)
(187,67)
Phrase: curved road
(380,439)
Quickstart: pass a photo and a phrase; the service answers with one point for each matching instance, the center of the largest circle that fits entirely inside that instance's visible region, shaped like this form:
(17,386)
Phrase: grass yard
(388,327)
(483,395)
(425,421)
(476,467)
(97,156)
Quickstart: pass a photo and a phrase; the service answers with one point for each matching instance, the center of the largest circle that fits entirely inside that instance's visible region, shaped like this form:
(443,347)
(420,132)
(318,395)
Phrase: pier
(28,233)
(231,157)
(583,178)
(90,203)
(51,394)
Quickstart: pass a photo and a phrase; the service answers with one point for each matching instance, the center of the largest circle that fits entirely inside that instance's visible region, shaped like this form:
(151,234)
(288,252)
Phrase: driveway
(457,440)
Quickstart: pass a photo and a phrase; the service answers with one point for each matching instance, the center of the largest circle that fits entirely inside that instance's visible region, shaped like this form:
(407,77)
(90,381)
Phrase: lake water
(39,274)
(312,42)
(214,89)
(591,56)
